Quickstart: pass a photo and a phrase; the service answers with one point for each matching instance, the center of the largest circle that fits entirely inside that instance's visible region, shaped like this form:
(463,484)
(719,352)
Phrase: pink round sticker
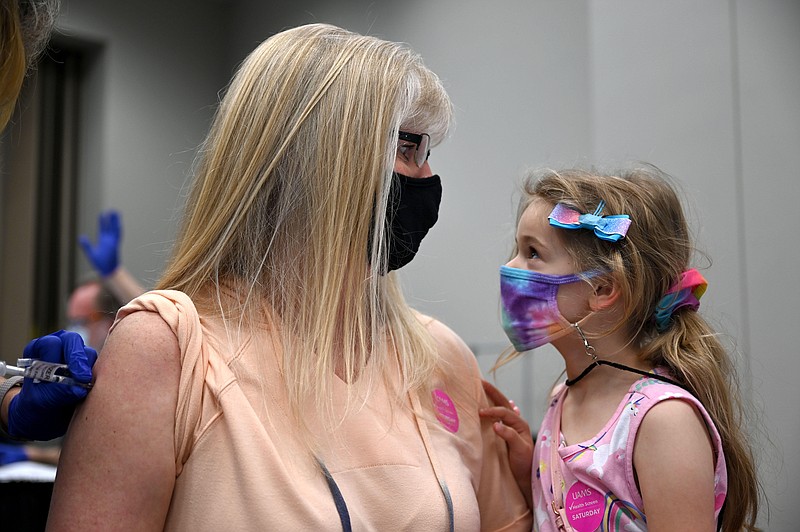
(584,507)
(445,410)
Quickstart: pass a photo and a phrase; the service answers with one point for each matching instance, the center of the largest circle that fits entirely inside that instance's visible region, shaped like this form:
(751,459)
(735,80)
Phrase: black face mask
(413,208)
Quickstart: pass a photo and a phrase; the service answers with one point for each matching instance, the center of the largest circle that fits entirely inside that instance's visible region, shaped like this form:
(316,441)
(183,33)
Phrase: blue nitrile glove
(10,453)
(105,255)
(43,410)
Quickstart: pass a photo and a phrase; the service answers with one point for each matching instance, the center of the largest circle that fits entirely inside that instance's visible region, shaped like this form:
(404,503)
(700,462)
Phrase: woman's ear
(606,294)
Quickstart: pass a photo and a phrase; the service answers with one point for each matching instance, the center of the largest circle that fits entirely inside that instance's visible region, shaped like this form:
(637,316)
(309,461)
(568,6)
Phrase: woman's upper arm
(674,463)
(117,467)
(501,503)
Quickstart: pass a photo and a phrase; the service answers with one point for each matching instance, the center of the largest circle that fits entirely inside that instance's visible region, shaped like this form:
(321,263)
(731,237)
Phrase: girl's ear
(606,294)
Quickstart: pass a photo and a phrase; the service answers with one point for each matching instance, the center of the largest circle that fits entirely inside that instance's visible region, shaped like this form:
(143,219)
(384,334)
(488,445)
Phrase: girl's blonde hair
(644,266)
(289,204)
(25,26)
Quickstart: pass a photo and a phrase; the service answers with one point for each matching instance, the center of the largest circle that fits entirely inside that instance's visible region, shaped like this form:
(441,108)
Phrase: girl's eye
(532,254)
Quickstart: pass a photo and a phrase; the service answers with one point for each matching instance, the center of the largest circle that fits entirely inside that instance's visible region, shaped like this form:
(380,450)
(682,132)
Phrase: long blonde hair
(644,265)
(291,188)
(24,29)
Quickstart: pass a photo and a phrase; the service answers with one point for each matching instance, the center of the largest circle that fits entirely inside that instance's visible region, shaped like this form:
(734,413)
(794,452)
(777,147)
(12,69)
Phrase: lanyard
(338,498)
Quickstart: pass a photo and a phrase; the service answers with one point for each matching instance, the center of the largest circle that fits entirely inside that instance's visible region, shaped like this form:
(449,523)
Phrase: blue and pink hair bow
(685,293)
(611,228)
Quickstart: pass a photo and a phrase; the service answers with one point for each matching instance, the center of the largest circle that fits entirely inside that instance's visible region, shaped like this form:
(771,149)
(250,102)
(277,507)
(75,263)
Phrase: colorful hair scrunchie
(685,293)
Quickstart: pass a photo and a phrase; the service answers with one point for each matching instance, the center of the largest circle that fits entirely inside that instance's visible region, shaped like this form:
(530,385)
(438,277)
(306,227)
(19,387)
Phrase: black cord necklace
(622,367)
(590,351)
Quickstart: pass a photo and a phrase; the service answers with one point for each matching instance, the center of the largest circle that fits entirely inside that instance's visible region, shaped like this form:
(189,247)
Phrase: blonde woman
(277,379)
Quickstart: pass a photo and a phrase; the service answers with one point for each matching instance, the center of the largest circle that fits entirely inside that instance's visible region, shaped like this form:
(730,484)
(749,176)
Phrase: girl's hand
(516,432)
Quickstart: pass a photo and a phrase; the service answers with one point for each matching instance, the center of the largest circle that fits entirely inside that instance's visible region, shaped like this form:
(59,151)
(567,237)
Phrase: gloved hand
(43,410)
(105,255)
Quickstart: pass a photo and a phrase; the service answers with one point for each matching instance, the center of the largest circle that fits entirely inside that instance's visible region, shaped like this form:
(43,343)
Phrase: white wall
(706,90)
(768,73)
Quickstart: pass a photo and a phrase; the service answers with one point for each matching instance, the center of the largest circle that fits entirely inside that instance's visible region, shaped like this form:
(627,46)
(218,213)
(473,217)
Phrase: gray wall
(708,91)
(152,85)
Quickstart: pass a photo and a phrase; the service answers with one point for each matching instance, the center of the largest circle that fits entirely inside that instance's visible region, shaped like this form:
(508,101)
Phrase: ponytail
(697,359)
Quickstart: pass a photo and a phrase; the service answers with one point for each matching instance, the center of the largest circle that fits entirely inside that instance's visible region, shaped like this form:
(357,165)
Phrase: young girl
(646,433)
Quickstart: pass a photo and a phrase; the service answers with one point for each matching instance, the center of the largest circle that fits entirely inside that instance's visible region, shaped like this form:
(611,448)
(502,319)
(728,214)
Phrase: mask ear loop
(590,352)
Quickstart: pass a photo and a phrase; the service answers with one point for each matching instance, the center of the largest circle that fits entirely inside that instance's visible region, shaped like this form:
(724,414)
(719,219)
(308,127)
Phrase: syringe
(39,370)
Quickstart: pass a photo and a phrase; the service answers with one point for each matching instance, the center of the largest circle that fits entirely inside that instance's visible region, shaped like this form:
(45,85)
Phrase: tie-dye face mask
(530,309)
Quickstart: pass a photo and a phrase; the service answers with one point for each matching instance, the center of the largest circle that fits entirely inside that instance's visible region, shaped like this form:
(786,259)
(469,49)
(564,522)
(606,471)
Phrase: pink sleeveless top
(600,491)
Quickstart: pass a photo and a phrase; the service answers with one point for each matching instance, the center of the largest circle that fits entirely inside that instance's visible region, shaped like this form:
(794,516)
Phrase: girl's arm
(674,462)
(117,468)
